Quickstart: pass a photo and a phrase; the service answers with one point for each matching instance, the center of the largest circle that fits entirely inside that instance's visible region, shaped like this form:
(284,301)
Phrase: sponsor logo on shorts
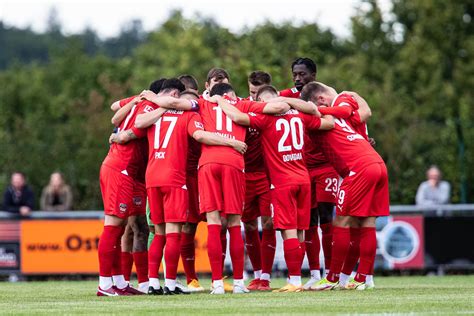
(123,207)
(137,201)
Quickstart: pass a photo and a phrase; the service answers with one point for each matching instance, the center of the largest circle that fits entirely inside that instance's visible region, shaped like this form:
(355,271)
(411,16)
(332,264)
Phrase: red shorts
(324,185)
(257,196)
(221,188)
(139,199)
(168,204)
(291,206)
(365,192)
(193,215)
(117,192)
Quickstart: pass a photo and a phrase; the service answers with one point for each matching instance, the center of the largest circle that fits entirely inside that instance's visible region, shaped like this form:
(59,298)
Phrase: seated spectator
(57,195)
(18,197)
(433,191)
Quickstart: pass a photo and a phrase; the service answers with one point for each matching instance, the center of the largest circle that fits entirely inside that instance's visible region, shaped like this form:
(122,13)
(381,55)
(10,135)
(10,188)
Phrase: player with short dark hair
(303,70)
(289,177)
(256,80)
(190,83)
(215,76)
(363,194)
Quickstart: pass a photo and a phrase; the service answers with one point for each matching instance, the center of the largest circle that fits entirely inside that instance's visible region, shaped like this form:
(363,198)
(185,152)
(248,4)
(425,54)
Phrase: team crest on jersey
(252,114)
(137,201)
(294,90)
(199,125)
(123,207)
(148,109)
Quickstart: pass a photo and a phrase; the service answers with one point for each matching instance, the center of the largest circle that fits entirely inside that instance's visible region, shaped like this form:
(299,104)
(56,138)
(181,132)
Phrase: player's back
(168,147)
(283,145)
(123,157)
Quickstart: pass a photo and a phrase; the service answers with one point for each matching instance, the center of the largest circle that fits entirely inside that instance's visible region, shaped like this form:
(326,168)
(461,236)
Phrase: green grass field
(394,295)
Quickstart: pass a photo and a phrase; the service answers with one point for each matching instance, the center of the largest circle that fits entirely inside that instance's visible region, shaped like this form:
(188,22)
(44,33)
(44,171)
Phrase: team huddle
(292,158)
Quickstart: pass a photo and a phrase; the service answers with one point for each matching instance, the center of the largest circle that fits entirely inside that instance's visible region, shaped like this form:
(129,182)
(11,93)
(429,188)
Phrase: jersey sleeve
(339,111)
(194,123)
(311,122)
(258,121)
(125,101)
(145,107)
(247,106)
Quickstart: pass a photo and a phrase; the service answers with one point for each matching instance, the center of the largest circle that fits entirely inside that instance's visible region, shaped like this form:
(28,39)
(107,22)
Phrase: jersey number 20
(295,127)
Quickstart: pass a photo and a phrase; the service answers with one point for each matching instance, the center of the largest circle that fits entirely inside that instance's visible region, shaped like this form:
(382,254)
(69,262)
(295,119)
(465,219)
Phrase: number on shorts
(331,185)
(172,121)
(340,199)
(219,115)
(295,126)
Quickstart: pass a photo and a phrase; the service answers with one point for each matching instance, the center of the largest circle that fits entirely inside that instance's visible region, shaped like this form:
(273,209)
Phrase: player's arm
(169,102)
(147,119)
(364,110)
(327,122)
(343,111)
(115,106)
(122,112)
(122,137)
(231,111)
(300,105)
(216,140)
(276,107)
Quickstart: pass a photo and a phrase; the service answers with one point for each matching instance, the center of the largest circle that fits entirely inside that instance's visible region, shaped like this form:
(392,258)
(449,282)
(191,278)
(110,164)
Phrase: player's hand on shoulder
(147,95)
(113,138)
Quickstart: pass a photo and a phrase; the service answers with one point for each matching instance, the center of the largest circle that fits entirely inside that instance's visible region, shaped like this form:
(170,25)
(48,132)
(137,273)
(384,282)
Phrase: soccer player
(190,83)
(166,178)
(214,76)
(303,70)
(363,194)
(257,200)
(282,142)
(222,182)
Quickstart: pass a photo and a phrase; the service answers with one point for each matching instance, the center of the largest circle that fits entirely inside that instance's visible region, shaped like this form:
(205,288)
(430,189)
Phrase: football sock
(141,264)
(252,243)
(105,283)
(223,246)
(326,237)
(150,239)
(295,280)
(119,281)
(106,250)
(257,274)
(237,252)
(170,283)
(353,254)
(312,247)
(368,248)
(315,274)
(172,253)
(292,251)
(155,283)
(188,254)
(214,250)
(303,252)
(340,246)
(155,254)
(117,264)
(268,247)
(127,263)
(265,276)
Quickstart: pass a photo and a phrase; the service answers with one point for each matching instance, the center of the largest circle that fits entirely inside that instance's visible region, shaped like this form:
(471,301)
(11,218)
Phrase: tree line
(414,67)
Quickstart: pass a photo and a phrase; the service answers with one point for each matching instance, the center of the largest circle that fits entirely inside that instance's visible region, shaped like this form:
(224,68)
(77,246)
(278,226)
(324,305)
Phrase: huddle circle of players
(289,157)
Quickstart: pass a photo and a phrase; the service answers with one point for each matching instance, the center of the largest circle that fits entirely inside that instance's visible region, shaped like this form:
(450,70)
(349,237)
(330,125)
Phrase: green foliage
(415,68)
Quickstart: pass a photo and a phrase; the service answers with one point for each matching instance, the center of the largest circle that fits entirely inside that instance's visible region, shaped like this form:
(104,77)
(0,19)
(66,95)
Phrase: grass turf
(393,295)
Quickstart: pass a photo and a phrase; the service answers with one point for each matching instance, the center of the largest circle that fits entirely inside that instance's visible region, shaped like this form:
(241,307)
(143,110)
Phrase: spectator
(57,195)
(433,191)
(18,197)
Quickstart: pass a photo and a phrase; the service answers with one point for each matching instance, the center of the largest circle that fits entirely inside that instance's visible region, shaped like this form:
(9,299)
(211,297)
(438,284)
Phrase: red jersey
(168,146)
(127,158)
(194,152)
(217,122)
(290,93)
(343,146)
(253,157)
(282,142)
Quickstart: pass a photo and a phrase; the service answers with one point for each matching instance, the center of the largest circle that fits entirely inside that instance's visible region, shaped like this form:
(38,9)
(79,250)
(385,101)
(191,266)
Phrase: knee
(251,226)
(267,223)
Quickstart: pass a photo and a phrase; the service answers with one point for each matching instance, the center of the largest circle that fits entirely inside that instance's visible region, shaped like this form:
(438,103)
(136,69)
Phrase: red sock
(127,263)
(303,252)
(326,237)
(224,246)
(214,250)
(292,249)
(237,252)
(188,254)
(312,247)
(173,243)
(155,254)
(106,249)
(141,264)
(117,264)
(252,242)
(368,249)
(268,247)
(353,253)
(340,246)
